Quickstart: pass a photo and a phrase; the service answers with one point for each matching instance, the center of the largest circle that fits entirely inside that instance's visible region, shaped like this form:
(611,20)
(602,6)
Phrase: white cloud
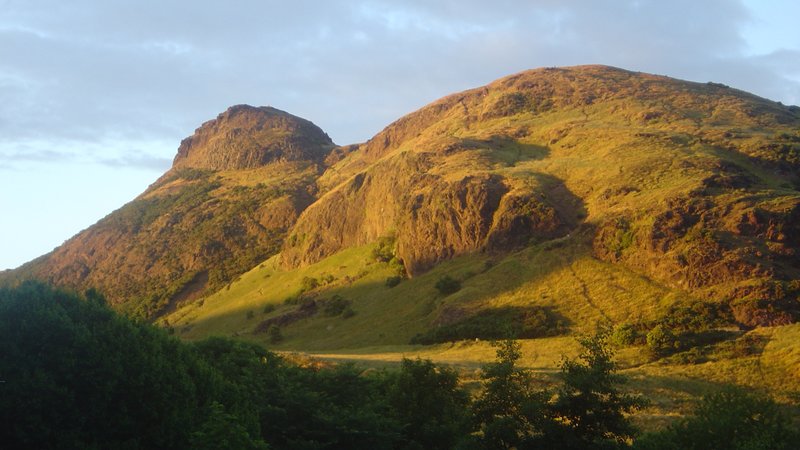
(158,69)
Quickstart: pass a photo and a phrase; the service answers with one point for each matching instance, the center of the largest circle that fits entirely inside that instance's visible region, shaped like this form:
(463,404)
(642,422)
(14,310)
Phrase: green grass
(559,275)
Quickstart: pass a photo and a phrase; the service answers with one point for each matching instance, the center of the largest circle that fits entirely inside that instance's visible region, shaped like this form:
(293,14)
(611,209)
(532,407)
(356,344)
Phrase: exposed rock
(246,137)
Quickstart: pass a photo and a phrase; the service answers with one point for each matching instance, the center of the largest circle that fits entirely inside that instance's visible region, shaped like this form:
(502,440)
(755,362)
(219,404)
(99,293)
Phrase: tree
(77,375)
(429,405)
(734,419)
(222,431)
(509,413)
(589,409)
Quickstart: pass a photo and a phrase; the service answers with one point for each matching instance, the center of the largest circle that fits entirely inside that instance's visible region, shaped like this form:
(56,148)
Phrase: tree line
(74,374)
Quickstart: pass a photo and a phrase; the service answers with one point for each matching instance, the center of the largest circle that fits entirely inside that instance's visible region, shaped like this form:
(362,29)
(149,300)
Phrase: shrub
(250,315)
(328,278)
(268,309)
(393,281)
(348,313)
(661,341)
(447,285)
(384,251)
(696,317)
(734,419)
(624,335)
(499,323)
(274,334)
(308,284)
(335,305)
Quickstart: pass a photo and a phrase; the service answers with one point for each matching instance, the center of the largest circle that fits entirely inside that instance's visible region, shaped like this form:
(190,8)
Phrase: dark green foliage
(499,323)
(300,408)
(447,285)
(393,281)
(222,431)
(384,251)
(274,334)
(681,328)
(661,341)
(79,376)
(589,409)
(308,284)
(509,413)
(429,405)
(624,335)
(335,305)
(268,308)
(348,313)
(696,317)
(733,419)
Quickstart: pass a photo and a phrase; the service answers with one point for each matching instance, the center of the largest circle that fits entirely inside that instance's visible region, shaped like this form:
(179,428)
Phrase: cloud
(95,71)
(139,161)
(27,155)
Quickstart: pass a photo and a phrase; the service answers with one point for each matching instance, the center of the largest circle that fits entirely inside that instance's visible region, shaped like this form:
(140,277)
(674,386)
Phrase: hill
(585,193)
(236,186)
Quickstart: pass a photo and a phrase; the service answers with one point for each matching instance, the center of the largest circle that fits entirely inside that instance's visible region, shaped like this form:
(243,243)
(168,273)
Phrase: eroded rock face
(433,218)
(738,252)
(246,137)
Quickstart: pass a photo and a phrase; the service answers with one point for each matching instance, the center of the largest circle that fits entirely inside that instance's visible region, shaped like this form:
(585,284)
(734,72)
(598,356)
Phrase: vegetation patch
(499,323)
(307,308)
(447,285)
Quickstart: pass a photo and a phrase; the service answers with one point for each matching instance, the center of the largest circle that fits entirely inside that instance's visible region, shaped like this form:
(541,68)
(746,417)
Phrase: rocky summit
(245,137)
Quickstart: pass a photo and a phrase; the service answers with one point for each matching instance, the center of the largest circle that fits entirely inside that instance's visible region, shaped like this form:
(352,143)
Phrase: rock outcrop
(246,137)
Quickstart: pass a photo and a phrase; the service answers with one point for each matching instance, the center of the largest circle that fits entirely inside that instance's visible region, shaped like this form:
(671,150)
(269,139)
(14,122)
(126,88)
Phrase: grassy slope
(557,274)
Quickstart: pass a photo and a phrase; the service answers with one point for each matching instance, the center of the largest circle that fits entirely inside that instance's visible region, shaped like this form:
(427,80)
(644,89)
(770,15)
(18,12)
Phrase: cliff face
(433,216)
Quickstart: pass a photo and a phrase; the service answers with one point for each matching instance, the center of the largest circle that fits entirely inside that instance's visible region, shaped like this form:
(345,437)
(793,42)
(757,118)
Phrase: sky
(95,95)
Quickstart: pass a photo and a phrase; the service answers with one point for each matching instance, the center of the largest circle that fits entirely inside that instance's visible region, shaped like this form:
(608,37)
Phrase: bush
(661,341)
(624,335)
(734,419)
(393,281)
(384,251)
(268,308)
(696,317)
(348,313)
(447,285)
(274,334)
(335,305)
(499,323)
(308,284)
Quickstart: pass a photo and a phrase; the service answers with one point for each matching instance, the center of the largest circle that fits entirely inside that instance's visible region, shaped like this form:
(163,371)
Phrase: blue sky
(95,96)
